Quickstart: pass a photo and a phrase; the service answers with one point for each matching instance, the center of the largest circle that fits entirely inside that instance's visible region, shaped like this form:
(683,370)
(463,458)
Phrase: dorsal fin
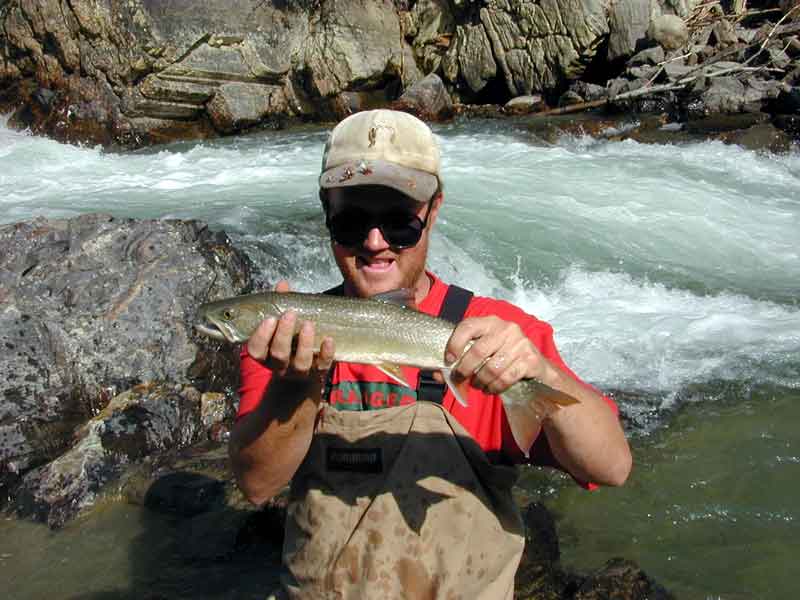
(400,296)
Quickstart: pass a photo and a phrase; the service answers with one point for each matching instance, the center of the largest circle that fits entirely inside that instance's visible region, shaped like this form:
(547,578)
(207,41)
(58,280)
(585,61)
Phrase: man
(413,500)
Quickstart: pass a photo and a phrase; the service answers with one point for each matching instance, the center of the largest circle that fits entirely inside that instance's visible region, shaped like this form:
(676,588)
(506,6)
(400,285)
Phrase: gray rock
(524,104)
(135,424)
(93,305)
(622,579)
(669,31)
(538,47)
(428,99)
(646,72)
(729,95)
(676,70)
(628,22)
(648,56)
(236,106)
(588,91)
(475,60)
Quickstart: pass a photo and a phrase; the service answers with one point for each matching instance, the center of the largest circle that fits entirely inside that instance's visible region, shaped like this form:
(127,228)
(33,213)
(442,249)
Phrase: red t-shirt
(363,387)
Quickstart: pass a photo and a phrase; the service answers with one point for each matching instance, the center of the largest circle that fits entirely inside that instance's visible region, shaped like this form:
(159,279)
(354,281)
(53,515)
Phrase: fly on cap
(382,147)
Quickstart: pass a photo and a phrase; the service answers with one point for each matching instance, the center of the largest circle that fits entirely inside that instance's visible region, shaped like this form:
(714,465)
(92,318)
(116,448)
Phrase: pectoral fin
(394,372)
(460,390)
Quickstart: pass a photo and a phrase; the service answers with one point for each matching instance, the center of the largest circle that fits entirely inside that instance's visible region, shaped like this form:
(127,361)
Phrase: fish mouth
(210,330)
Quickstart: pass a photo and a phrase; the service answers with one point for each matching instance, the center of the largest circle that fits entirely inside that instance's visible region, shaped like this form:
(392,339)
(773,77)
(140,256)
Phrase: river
(671,274)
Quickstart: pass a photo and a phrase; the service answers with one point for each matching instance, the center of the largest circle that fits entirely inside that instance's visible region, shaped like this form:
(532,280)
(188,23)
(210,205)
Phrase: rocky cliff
(133,72)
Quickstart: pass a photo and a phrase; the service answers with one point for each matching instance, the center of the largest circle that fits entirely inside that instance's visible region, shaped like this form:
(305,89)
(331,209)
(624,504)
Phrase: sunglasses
(400,228)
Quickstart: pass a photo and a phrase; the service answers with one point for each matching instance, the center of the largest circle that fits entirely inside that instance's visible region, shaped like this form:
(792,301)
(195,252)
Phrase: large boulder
(93,305)
(669,31)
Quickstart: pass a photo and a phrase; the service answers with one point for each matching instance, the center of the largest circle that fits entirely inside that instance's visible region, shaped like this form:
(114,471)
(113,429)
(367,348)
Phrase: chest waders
(400,503)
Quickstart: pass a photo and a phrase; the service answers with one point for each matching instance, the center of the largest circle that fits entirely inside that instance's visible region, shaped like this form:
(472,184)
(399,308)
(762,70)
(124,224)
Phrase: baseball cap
(382,147)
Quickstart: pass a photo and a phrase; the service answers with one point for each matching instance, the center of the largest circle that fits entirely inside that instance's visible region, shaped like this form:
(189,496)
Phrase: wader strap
(455,304)
(326,391)
(453,308)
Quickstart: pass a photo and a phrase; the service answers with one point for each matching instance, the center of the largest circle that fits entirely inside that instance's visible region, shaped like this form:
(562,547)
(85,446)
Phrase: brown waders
(400,503)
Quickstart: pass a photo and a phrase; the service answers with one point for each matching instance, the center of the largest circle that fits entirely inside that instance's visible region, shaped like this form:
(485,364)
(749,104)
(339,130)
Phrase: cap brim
(419,185)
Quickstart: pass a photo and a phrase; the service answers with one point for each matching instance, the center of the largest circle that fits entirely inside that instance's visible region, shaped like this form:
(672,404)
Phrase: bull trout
(381,331)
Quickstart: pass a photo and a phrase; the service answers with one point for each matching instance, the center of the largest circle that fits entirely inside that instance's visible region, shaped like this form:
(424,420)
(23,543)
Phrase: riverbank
(134,77)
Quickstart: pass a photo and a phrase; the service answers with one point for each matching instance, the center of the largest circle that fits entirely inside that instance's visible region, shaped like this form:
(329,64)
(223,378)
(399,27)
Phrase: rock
(645,72)
(675,70)
(628,23)
(729,95)
(144,420)
(185,494)
(356,46)
(648,56)
(669,31)
(790,124)
(623,580)
(427,99)
(764,137)
(237,106)
(525,104)
(718,123)
(588,91)
(94,305)
(474,54)
(787,102)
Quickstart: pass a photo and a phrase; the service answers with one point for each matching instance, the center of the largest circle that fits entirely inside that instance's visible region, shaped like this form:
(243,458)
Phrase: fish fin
(394,372)
(525,423)
(460,390)
(557,397)
(525,416)
(400,296)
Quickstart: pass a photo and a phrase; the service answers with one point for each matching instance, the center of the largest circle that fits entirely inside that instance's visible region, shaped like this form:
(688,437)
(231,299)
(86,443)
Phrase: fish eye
(227,314)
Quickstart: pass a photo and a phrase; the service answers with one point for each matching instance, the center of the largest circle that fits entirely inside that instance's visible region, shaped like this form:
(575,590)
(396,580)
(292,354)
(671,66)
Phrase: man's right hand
(273,343)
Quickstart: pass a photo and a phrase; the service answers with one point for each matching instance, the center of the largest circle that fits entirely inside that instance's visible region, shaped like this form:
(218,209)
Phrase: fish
(384,331)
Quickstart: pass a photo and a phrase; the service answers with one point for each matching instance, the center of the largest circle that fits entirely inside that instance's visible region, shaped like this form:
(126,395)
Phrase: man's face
(373,265)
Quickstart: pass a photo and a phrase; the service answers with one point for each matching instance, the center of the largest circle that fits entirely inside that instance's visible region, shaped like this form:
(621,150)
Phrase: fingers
(494,354)
(287,347)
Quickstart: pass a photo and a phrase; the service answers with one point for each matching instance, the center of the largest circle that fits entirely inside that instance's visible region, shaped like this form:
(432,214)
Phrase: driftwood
(778,30)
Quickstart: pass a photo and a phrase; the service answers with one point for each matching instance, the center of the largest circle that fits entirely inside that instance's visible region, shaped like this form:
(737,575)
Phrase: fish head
(234,319)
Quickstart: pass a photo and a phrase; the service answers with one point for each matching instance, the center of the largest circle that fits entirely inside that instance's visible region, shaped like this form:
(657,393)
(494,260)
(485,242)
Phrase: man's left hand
(499,356)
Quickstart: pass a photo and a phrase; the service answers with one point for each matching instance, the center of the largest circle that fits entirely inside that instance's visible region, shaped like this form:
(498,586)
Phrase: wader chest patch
(354,460)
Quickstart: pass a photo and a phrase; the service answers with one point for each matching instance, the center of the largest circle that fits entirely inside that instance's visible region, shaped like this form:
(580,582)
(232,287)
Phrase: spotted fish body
(376,332)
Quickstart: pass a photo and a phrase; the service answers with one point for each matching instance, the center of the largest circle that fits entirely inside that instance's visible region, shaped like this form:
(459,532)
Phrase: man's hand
(289,357)
(495,354)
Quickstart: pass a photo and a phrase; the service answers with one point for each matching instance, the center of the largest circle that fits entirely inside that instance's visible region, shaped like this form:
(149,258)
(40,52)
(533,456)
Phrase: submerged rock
(145,420)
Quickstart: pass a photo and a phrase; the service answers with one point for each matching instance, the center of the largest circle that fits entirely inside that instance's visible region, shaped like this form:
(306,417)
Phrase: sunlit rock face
(144,71)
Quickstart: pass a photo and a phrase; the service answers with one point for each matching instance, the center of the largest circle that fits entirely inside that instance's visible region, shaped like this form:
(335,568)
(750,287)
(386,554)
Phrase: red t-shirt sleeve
(541,334)
(255,378)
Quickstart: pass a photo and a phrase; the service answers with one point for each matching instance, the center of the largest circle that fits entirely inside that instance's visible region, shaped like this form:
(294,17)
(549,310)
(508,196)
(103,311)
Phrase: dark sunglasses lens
(350,228)
(401,229)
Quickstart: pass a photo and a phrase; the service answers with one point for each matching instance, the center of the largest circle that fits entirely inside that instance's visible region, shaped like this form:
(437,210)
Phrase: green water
(712,508)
